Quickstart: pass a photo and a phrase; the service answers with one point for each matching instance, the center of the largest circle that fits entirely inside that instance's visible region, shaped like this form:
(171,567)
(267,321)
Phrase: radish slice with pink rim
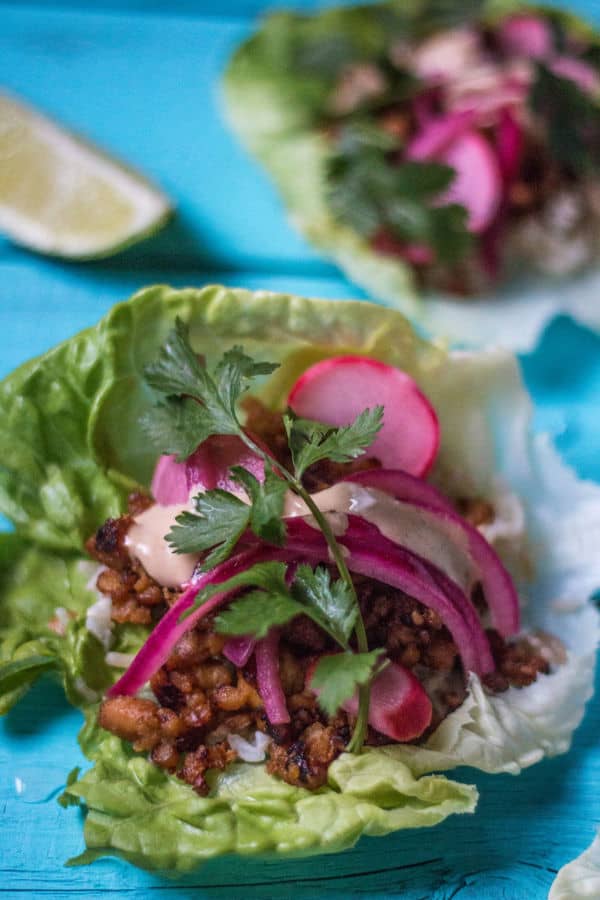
(498,588)
(399,706)
(268,680)
(336,390)
(477,185)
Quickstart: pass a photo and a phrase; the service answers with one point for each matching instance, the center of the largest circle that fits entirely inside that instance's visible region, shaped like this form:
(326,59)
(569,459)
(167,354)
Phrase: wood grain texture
(144,85)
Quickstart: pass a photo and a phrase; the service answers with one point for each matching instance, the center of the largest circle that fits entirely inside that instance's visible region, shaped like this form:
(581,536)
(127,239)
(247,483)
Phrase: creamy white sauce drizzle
(146,542)
(419,530)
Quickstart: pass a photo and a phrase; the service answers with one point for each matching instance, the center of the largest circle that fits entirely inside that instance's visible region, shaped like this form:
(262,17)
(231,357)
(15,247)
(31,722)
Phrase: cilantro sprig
(221,518)
(194,403)
(571,118)
(368,191)
(311,442)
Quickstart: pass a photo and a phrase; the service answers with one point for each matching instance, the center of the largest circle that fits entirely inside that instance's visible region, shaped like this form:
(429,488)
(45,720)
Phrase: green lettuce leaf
(486,450)
(276,107)
(138,812)
(35,582)
(579,878)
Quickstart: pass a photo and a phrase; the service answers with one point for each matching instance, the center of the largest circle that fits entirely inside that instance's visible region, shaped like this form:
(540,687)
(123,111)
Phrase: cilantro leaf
(419,181)
(337,677)
(273,602)
(198,404)
(234,374)
(269,577)
(267,503)
(222,519)
(177,425)
(329,603)
(177,369)
(369,190)
(255,613)
(571,118)
(313,441)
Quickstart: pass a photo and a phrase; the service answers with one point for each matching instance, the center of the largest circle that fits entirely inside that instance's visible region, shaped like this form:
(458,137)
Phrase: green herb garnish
(221,518)
(571,118)
(337,676)
(369,191)
(195,403)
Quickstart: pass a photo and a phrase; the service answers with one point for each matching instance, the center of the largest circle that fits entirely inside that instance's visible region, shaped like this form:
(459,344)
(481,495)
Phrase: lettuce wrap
(277,91)
(579,878)
(72,450)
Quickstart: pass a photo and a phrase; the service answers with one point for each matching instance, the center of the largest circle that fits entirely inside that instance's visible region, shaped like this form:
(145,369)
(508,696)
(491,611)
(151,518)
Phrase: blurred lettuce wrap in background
(321,101)
(72,450)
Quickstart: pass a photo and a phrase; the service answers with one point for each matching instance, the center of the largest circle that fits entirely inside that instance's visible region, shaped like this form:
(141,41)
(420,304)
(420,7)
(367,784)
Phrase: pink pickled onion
(498,588)
(238,650)
(169,629)
(402,486)
(208,467)
(268,680)
(374,556)
(169,482)
(509,145)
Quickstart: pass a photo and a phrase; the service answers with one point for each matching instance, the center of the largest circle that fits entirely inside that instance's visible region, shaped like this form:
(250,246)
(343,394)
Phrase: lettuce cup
(293,562)
(446,160)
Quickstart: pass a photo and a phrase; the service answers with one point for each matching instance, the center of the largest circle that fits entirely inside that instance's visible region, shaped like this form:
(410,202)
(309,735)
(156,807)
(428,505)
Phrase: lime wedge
(62,196)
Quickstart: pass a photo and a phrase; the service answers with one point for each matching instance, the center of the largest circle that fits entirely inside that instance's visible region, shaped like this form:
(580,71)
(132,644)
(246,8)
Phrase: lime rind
(62,196)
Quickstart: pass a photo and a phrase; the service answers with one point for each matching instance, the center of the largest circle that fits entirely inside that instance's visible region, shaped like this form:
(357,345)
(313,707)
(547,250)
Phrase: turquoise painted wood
(144,83)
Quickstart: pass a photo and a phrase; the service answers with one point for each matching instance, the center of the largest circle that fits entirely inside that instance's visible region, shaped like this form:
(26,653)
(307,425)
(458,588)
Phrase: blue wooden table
(144,83)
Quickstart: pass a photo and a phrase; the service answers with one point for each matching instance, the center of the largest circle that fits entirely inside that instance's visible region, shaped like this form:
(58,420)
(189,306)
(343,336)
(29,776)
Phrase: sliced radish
(208,467)
(478,184)
(526,35)
(336,390)
(398,705)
